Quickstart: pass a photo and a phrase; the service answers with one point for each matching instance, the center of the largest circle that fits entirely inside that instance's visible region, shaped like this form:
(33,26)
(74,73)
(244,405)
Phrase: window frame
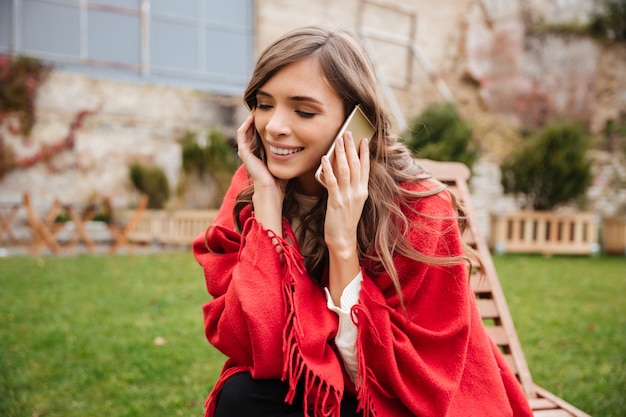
(229,78)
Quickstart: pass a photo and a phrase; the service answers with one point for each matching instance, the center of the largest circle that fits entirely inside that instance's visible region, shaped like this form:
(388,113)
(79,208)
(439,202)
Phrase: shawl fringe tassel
(326,398)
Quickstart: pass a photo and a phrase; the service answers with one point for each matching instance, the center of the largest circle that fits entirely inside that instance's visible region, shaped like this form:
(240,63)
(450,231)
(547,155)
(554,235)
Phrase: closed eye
(305,114)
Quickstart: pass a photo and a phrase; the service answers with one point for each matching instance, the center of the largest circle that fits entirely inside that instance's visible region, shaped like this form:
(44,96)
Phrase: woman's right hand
(269,191)
(256,168)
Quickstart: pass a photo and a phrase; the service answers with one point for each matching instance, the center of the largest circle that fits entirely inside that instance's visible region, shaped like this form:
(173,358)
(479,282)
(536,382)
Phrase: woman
(350,299)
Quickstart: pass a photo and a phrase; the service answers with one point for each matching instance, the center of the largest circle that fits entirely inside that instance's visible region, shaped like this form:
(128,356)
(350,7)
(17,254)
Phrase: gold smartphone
(359,125)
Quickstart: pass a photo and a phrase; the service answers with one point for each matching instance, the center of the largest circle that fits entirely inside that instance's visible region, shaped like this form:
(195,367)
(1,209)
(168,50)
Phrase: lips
(284,151)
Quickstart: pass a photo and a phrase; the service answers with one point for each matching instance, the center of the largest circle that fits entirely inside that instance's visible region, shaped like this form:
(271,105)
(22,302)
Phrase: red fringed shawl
(270,318)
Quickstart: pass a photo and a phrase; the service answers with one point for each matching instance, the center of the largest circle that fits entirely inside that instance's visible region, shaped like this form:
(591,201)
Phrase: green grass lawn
(80,336)
(123,335)
(570,315)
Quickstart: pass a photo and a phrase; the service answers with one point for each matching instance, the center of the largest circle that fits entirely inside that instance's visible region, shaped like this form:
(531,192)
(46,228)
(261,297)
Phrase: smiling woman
(350,299)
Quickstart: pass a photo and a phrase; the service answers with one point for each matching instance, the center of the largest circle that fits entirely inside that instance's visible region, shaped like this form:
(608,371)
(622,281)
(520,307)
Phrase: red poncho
(271,319)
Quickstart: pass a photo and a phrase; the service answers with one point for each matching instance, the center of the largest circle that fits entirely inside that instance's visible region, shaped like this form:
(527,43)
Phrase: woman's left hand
(347,185)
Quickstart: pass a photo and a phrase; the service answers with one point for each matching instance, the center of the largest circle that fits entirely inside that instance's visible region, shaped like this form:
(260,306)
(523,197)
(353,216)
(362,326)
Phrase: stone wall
(128,122)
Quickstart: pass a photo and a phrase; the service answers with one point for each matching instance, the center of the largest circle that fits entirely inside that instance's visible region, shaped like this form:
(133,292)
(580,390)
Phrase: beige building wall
(437,32)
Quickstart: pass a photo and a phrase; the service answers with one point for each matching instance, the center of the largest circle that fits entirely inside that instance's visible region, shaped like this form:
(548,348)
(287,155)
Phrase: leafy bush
(215,159)
(610,22)
(441,134)
(152,182)
(551,168)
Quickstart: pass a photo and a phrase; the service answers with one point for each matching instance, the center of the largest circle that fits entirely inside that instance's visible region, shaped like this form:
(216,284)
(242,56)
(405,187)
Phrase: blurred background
(97,92)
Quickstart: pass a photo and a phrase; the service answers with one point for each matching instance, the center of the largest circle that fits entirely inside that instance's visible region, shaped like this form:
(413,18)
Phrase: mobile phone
(359,125)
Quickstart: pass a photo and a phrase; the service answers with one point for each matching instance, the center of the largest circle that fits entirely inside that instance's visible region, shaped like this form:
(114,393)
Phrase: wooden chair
(490,297)
(120,231)
(43,230)
(80,234)
(8,212)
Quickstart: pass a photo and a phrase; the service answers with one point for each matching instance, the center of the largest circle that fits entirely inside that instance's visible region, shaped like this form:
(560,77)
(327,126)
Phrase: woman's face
(297,116)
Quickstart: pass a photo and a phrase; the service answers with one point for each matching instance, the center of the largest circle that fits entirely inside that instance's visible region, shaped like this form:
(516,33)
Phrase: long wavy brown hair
(383,227)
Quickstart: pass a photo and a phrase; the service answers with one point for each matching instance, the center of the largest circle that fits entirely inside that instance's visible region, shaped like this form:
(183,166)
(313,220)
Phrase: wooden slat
(542,404)
(480,284)
(487,309)
(498,335)
(559,402)
(551,413)
(512,364)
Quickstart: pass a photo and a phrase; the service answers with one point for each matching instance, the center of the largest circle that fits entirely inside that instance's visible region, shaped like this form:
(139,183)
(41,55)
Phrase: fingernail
(340,141)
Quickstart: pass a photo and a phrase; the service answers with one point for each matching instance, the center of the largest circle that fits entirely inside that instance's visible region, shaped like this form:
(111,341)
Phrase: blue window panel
(6,25)
(173,45)
(235,12)
(228,53)
(183,8)
(205,44)
(126,4)
(50,28)
(113,37)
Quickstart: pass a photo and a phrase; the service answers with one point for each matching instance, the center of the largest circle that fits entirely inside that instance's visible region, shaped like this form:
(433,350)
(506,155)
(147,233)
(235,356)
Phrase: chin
(281,173)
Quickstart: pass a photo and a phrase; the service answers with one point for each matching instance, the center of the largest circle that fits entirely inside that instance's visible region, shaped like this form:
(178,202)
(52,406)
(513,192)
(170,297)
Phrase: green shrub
(152,182)
(215,159)
(441,134)
(610,22)
(551,168)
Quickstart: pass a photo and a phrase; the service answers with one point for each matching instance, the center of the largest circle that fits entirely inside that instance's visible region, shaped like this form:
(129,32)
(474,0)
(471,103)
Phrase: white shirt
(345,340)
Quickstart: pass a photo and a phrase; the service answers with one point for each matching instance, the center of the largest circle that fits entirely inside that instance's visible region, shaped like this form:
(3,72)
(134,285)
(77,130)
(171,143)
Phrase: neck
(308,185)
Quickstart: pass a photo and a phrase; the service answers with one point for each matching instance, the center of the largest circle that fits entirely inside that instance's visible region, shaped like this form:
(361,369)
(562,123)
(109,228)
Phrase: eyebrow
(293,98)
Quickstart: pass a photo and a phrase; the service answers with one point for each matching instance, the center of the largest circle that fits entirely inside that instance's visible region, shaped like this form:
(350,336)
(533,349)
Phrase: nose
(278,123)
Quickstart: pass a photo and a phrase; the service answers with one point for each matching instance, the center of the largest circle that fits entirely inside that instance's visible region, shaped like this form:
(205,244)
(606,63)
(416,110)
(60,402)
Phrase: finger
(245,134)
(343,170)
(364,157)
(330,181)
(246,128)
(352,158)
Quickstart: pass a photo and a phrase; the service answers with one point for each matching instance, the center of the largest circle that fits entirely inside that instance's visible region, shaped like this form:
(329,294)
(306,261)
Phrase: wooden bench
(185,225)
(490,297)
(545,232)
(177,228)
(614,235)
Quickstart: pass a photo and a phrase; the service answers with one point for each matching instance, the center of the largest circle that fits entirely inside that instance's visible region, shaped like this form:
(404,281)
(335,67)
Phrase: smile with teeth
(283,151)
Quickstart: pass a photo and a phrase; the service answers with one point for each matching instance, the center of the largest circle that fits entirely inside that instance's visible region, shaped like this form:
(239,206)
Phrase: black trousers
(242,395)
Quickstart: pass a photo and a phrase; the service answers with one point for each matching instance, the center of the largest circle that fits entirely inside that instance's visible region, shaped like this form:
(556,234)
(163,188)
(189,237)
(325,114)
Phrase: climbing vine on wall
(48,151)
(20,79)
